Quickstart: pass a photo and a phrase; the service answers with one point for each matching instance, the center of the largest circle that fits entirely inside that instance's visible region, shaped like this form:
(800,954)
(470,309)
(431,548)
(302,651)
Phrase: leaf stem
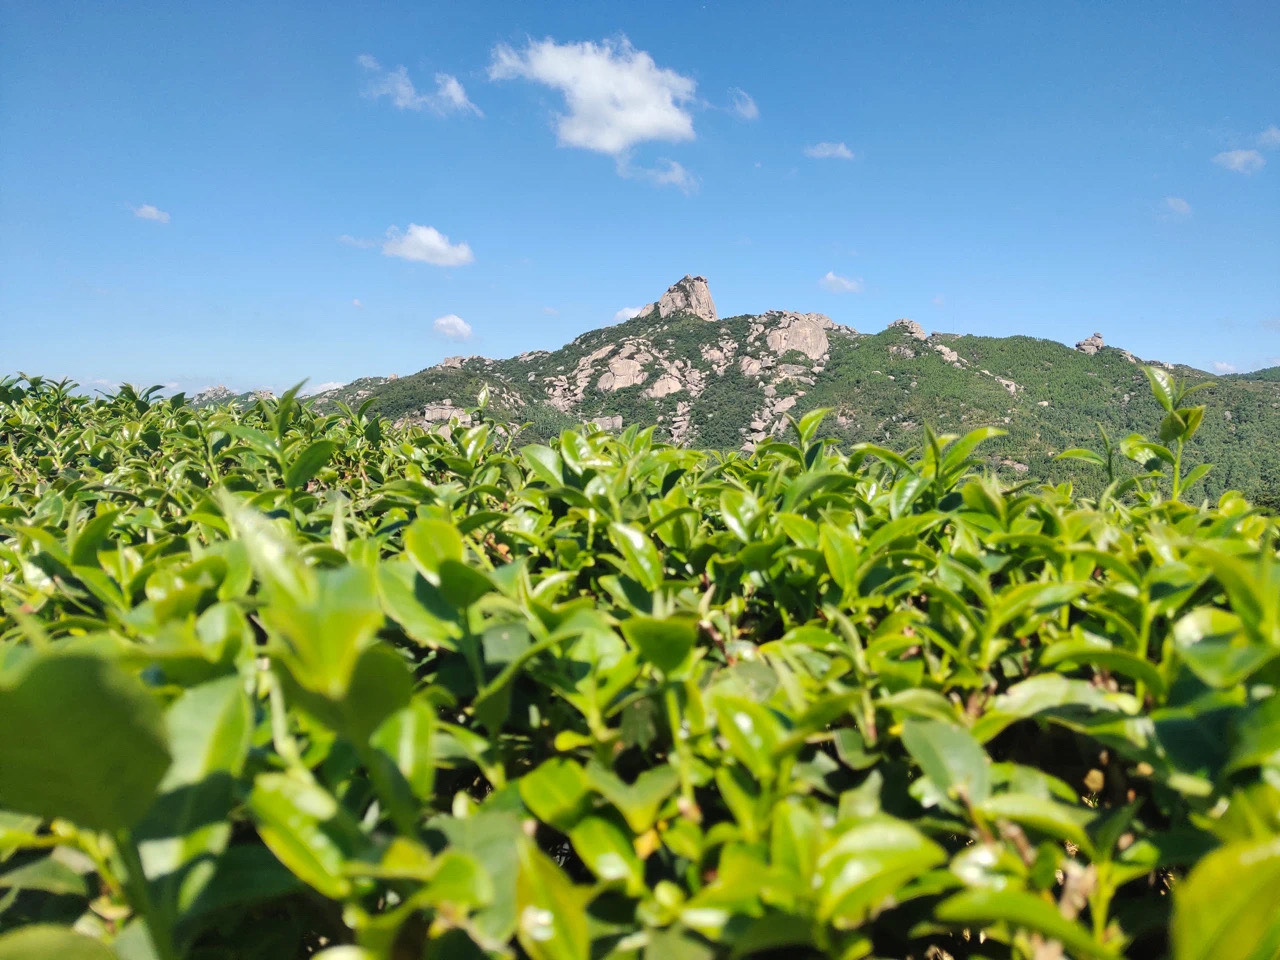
(135,883)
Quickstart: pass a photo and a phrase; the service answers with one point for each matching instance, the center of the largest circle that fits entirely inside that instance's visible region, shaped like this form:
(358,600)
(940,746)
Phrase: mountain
(732,383)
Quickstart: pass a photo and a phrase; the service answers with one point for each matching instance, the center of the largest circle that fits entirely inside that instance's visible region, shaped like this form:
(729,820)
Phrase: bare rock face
(690,295)
(910,327)
(437,412)
(666,384)
(622,372)
(948,354)
(681,424)
(218,394)
(805,332)
(608,423)
(1091,345)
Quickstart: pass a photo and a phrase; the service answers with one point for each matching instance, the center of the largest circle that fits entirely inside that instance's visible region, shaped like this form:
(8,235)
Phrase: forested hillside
(731,383)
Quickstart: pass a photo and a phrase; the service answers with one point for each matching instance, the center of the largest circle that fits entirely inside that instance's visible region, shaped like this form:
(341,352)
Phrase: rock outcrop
(622,372)
(666,384)
(805,332)
(910,328)
(1091,345)
(440,412)
(690,295)
(212,395)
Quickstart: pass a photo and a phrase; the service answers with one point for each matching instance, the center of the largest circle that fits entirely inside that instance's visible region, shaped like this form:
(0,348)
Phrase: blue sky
(255,193)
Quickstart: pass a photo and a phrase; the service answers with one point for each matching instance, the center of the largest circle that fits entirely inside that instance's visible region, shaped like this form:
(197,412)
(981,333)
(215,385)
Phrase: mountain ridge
(733,382)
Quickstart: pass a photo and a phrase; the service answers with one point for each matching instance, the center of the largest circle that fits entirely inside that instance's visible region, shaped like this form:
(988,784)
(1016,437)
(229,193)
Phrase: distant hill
(1271,374)
(731,383)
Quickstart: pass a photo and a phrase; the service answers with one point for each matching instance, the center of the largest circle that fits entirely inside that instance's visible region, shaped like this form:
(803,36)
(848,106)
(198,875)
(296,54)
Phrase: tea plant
(276,684)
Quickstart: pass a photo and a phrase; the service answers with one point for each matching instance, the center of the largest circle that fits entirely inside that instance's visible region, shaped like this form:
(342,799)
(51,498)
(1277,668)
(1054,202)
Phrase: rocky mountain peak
(688,295)
(1091,345)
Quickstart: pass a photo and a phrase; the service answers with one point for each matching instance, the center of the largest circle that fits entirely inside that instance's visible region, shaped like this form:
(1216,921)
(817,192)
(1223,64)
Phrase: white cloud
(449,96)
(829,151)
(351,241)
(742,104)
(148,212)
(615,95)
(1241,161)
(1270,137)
(452,326)
(356,302)
(426,245)
(551,311)
(1178,206)
(1223,367)
(626,313)
(939,300)
(838,284)
(311,391)
(668,173)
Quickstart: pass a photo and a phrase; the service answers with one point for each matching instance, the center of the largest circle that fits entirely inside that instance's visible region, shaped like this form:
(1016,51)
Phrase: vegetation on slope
(1267,373)
(883,388)
(277,684)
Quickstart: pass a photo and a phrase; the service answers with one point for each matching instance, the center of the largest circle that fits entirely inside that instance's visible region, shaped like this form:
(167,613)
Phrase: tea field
(278,684)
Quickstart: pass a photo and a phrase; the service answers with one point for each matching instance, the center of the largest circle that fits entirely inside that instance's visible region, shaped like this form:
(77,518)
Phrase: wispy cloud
(1241,161)
(838,284)
(356,303)
(1177,206)
(667,173)
(1221,366)
(551,311)
(939,300)
(741,103)
(1269,138)
(448,97)
(149,212)
(626,313)
(312,390)
(351,241)
(426,245)
(829,151)
(452,326)
(1271,323)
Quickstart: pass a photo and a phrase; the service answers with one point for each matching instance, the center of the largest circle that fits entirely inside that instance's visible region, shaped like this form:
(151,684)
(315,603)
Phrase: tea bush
(275,684)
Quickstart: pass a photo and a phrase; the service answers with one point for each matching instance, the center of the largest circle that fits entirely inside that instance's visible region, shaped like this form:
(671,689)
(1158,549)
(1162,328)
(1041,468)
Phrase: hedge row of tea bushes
(279,685)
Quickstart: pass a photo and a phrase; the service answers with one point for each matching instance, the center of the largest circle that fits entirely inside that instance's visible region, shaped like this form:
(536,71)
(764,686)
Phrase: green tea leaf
(308,463)
(664,642)
(950,757)
(552,920)
(44,941)
(557,793)
(1228,907)
(980,907)
(79,739)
